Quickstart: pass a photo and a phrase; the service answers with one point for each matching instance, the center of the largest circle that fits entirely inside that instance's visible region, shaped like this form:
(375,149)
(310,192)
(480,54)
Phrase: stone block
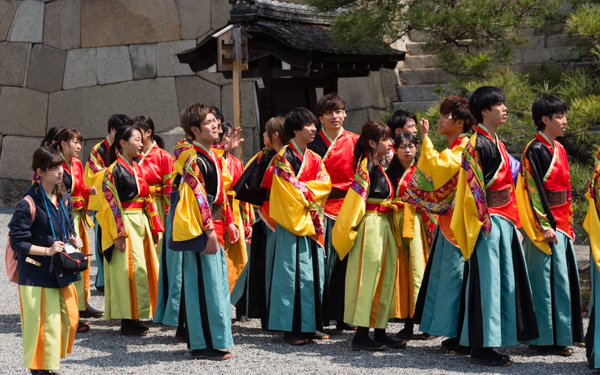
(417,93)
(534,56)
(424,76)
(46,68)
(389,81)
(113,64)
(216,78)
(193,18)
(123,22)
(168,64)
(15,160)
(420,106)
(559,40)
(196,90)
(249,115)
(171,137)
(13,63)
(536,42)
(11,191)
(23,112)
(219,13)
(89,108)
(418,48)
(417,36)
(28,24)
(419,61)
(62,24)
(9,8)
(362,92)
(356,119)
(80,68)
(143,60)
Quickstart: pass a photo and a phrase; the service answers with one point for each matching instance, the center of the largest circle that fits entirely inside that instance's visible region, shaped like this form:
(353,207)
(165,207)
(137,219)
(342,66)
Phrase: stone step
(416,93)
(418,48)
(417,106)
(419,61)
(423,76)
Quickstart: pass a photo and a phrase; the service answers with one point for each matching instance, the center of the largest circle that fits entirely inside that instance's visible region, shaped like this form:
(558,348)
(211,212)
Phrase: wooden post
(237,82)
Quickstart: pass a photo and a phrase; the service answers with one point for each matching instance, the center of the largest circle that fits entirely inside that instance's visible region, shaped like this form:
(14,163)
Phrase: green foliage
(580,177)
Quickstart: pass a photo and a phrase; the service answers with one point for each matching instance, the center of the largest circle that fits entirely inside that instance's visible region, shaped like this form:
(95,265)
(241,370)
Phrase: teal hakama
(438,309)
(297,283)
(504,315)
(205,300)
(251,291)
(592,340)
(169,283)
(556,292)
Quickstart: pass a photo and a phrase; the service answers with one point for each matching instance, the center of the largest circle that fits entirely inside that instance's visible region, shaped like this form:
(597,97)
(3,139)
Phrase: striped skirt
(205,303)
(412,259)
(131,276)
(371,273)
(556,292)
(49,318)
(297,284)
(82,286)
(498,303)
(438,309)
(169,283)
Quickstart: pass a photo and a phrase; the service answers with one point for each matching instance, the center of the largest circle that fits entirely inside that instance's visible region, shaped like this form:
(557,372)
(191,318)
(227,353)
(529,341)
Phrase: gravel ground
(103,351)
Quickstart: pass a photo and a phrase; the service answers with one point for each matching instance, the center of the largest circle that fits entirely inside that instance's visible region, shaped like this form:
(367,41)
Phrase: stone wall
(73,63)
(419,77)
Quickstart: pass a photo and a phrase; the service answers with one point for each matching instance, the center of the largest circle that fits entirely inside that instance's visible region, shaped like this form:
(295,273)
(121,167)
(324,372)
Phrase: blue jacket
(24,233)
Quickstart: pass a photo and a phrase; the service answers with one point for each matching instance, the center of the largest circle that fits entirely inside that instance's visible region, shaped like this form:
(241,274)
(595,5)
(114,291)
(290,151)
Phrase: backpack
(10,257)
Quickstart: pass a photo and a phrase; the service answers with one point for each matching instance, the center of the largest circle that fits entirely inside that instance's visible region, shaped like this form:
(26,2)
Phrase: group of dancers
(322,226)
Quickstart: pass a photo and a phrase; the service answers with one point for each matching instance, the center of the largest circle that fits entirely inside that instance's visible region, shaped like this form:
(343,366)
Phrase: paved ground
(103,351)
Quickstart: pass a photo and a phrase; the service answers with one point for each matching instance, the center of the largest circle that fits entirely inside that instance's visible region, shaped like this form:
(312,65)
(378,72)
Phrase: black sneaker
(390,342)
(132,328)
(489,357)
(367,345)
(210,354)
(91,312)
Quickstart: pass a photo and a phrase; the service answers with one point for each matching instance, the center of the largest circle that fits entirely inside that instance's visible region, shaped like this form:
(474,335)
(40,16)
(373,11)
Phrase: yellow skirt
(49,318)
(82,286)
(131,276)
(371,273)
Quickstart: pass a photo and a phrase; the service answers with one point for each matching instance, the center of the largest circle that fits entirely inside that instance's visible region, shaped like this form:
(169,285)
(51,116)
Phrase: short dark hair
(459,109)
(217,113)
(226,127)
(399,118)
(50,137)
(484,98)
(329,102)
(118,121)
(404,136)
(145,123)
(547,105)
(297,118)
(123,133)
(193,115)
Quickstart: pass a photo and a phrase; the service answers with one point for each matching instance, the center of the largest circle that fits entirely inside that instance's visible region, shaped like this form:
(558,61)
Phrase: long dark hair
(122,133)
(65,135)
(145,123)
(371,131)
(45,158)
(50,138)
